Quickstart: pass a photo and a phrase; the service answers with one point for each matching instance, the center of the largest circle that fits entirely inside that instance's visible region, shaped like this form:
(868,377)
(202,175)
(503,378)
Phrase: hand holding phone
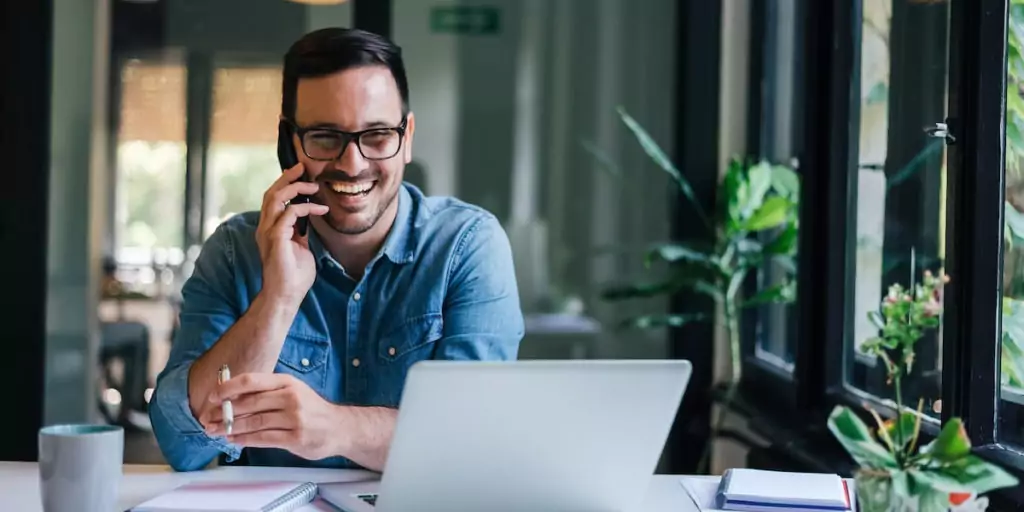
(287,157)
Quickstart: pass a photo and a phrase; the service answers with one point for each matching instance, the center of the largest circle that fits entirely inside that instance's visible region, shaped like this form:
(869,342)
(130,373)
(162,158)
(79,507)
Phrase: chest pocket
(411,341)
(305,357)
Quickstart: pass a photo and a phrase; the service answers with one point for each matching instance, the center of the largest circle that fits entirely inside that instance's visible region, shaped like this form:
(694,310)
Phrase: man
(320,331)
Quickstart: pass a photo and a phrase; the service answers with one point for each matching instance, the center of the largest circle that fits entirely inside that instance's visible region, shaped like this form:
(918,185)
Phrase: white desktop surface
(19,485)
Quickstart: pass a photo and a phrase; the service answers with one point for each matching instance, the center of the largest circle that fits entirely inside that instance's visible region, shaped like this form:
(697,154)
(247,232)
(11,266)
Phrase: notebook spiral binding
(298,497)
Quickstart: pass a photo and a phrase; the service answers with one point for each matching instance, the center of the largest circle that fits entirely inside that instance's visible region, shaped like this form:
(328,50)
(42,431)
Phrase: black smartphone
(286,155)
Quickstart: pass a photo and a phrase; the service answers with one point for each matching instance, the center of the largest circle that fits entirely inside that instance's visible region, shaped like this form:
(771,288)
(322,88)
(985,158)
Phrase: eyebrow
(368,126)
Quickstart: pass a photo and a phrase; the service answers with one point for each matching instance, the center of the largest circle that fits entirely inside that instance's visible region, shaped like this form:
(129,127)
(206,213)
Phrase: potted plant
(754,224)
(894,474)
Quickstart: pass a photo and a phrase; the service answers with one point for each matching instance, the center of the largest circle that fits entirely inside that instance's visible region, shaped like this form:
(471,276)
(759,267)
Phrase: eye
(323,139)
(377,137)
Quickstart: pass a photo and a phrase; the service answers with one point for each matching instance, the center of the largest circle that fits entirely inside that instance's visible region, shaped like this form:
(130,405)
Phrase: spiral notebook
(233,497)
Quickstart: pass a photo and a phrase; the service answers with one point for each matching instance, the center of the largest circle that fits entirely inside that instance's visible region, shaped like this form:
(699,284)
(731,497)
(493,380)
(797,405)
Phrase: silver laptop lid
(530,435)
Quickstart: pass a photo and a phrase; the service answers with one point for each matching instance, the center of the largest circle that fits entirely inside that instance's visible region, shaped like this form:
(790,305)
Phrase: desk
(19,485)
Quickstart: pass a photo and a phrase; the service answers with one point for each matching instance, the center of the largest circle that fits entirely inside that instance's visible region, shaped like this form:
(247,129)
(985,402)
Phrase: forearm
(367,434)
(252,345)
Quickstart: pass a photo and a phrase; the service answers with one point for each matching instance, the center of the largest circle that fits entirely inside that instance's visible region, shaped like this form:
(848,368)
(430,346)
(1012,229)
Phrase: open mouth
(352,189)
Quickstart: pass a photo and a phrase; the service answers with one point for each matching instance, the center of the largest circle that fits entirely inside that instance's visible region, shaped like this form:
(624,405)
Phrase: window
(776,136)
(242,158)
(900,180)
(150,168)
(1012,355)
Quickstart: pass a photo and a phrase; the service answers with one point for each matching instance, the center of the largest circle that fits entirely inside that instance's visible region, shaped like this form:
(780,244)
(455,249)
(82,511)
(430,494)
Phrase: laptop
(524,435)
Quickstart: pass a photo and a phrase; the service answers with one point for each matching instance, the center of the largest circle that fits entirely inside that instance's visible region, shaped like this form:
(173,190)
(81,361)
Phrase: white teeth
(351,188)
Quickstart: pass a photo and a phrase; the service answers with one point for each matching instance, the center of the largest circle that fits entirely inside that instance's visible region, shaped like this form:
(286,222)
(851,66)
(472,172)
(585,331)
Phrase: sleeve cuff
(178,411)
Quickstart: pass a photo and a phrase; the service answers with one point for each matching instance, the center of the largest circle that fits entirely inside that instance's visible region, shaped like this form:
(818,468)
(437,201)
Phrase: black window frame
(976,175)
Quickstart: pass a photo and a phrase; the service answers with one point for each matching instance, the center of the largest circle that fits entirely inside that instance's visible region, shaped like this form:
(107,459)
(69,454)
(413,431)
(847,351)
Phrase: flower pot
(876,493)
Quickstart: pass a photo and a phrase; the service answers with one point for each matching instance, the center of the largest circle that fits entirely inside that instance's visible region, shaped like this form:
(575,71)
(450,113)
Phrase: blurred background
(158,119)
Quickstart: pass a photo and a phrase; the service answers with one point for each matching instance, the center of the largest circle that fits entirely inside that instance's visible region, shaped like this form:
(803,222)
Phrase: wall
(431,68)
(77,192)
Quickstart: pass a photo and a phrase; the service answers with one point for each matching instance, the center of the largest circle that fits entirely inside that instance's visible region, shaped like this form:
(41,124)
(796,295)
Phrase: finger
(274,420)
(288,176)
(265,439)
(254,403)
(274,203)
(248,383)
(286,222)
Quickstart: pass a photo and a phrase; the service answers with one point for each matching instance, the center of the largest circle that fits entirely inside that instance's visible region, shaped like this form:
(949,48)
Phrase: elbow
(182,451)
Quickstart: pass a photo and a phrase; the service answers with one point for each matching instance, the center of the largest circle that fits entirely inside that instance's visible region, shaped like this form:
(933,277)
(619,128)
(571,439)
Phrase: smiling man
(320,330)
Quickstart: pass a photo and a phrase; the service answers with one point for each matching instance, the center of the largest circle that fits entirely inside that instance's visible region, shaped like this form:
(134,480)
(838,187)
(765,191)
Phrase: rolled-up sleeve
(210,306)
(482,315)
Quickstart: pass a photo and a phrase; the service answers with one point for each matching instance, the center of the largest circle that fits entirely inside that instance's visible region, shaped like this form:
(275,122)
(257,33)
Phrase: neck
(354,252)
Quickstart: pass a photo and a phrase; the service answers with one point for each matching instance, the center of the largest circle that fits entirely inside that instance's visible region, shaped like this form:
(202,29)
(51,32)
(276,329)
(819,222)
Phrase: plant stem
(897,381)
(733,331)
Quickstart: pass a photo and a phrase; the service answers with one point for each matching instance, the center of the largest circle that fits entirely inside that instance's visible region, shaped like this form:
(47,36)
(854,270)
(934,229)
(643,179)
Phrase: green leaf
(951,444)
(785,242)
(1013,135)
(1014,222)
(603,160)
(901,483)
(780,293)
(855,437)
(902,431)
(786,262)
(759,176)
(640,290)
(786,182)
(970,474)
(672,253)
(735,195)
(772,213)
(978,475)
(655,321)
(661,159)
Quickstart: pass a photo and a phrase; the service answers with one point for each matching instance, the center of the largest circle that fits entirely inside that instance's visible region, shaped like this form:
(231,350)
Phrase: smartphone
(286,155)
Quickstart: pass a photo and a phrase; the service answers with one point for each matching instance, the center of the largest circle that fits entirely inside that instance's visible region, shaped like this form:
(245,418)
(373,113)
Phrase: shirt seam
(460,246)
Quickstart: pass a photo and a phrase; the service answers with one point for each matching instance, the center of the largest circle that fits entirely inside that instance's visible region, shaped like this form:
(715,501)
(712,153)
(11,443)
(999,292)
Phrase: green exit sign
(465,20)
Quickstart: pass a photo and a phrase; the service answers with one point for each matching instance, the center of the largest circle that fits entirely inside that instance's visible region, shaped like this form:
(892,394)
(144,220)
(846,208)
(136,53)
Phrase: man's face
(358,190)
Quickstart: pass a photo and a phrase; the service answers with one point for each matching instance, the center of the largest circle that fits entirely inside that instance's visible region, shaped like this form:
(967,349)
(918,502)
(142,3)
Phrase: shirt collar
(398,245)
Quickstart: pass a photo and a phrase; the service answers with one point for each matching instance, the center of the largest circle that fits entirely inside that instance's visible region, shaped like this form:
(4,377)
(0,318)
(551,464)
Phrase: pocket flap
(303,353)
(412,334)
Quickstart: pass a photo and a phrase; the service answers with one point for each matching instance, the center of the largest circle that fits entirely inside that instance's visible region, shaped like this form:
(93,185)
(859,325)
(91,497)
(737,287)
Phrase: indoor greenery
(753,224)
(894,474)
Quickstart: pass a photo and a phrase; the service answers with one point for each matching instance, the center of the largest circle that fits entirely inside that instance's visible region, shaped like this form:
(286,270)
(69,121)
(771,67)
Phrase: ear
(410,129)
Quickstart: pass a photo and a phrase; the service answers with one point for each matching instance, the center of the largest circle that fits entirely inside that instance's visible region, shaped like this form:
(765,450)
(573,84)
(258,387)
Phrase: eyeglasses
(328,144)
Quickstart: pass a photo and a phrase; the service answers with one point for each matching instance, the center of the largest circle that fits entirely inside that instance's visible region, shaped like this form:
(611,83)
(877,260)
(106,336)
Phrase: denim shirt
(442,287)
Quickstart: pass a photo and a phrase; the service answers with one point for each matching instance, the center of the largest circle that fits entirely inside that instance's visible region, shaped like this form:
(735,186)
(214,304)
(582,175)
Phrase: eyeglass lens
(374,144)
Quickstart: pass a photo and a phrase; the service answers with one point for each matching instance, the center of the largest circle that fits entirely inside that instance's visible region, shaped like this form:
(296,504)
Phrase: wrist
(277,304)
(341,443)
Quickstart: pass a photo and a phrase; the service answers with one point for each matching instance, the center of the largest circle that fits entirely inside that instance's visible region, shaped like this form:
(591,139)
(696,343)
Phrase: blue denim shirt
(442,287)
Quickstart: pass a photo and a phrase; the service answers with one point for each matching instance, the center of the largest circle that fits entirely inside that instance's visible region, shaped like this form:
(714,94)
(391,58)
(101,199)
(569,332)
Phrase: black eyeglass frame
(348,137)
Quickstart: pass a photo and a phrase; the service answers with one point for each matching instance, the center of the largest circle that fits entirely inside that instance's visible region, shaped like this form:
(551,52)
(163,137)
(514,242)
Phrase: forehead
(349,99)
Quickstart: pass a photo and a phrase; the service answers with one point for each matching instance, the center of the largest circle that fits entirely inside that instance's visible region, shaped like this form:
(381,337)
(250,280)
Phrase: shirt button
(356,296)
(355,362)
(391,351)
(305,362)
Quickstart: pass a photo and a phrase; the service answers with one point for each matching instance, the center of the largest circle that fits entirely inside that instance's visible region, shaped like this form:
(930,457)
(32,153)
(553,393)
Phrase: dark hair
(330,50)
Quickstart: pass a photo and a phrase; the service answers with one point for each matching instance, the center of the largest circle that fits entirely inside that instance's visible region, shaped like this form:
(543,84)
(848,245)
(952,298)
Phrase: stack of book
(752,490)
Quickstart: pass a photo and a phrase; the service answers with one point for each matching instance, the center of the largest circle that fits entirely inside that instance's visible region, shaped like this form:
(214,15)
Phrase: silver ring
(285,203)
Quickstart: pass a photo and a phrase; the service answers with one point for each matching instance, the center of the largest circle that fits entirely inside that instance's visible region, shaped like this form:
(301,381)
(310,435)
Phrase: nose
(351,161)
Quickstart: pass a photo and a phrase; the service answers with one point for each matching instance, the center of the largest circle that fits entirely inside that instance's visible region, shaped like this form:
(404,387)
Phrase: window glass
(242,158)
(900,181)
(1012,354)
(779,136)
(150,168)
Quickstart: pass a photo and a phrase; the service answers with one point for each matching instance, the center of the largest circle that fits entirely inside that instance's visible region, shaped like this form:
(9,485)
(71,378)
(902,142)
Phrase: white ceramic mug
(80,467)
